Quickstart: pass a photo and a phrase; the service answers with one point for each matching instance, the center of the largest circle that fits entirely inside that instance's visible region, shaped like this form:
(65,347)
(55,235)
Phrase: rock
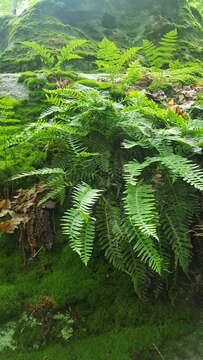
(9,86)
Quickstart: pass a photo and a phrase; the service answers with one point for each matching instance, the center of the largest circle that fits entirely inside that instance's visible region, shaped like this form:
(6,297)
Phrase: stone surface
(9,86)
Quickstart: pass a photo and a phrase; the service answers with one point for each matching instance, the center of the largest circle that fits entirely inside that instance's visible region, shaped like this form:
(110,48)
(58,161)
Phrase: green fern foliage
(77,222)
(110,59)
(168,44)
(67,53)
(162,54)
(44,171)
(46,57)
(141,209)
(186,169)
(150,51)
(143,157)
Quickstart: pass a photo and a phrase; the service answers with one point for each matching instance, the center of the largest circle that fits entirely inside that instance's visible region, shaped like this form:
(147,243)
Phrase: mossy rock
(157,84)
(57,75)
(118,92)
(96,84)
(196,112)
(34,83)
(26,75)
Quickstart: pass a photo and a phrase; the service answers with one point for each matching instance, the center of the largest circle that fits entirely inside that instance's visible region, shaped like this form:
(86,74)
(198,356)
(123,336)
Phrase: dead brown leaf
(5,204)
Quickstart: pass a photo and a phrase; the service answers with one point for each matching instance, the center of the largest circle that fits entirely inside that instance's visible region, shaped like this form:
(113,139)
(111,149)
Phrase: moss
(35,83)
(58,74)
(187,74)
(10,302)
(196,112)
(26,75)
(110,322)
(14,160)
(118,92)
(157,84)
(119,344)
(96,84)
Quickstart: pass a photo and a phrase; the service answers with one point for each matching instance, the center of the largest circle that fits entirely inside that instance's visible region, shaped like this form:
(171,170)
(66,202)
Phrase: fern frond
(87,239)
(108,50)
(53,99)
(67,52)
(150,51)
(179,239)
(178,206)
(143,246)
(72,225)
(127,56)
(110,59)
(184,168)
(133,169)
(75,145)
(110,233)
(159,55)
(58,184)
(85,197)
(51,110)
(46,56)
(168,45)
(45,171)
(140,207)
(114,240)
(77,222)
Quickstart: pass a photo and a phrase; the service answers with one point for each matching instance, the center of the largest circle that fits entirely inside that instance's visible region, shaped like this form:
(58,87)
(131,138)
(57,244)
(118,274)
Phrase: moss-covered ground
(109,320)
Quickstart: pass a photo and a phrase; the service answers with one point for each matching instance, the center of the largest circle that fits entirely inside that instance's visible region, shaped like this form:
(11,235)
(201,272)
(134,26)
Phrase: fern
(115,239)
(140,206)
(168,45)
(77,222)
(178,205)
(58,185)
(46,57)
(162,54)
(50,111)
(178,166)
(186,169)
(133,169)
(135,153)
(150,51)
(44,171)
(67,53)
(135,70)
(110,233)
(110,59)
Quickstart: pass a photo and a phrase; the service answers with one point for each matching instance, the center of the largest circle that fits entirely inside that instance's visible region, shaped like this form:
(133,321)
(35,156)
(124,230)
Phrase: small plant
(45,55)
(161,55)
(58,62)
(67,53)
(40,325)
(110,59)
(7,337)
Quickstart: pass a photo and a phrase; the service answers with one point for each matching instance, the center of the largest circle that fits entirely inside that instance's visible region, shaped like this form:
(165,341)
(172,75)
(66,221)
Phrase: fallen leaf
(5,204)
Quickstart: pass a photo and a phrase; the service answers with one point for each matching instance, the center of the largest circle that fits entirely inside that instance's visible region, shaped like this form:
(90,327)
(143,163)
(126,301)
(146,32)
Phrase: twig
(159,352)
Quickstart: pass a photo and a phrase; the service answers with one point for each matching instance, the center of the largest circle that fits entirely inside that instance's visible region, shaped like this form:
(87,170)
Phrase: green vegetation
(101,181)
(66,53)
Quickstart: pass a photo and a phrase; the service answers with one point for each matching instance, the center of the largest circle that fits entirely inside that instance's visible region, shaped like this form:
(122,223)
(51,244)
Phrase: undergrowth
(123,171)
